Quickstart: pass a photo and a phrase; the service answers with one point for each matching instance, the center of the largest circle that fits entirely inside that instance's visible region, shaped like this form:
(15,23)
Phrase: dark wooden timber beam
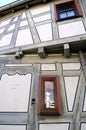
(41,52)
(67,50)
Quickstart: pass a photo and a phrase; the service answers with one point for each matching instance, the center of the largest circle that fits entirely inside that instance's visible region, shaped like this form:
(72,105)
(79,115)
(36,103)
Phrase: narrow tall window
(67,10)
(49,99)
(49,92)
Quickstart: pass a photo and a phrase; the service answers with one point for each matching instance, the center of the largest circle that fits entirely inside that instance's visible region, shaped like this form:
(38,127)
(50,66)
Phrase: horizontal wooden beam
(54,46)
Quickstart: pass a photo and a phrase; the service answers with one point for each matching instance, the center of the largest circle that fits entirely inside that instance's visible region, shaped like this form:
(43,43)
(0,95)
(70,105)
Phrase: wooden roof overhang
(18,5)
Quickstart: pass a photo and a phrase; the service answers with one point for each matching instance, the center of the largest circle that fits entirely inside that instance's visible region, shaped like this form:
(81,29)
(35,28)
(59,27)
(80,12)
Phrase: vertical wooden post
(83,62)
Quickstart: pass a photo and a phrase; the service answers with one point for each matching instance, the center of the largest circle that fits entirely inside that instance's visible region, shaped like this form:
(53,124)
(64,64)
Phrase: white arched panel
(14,93)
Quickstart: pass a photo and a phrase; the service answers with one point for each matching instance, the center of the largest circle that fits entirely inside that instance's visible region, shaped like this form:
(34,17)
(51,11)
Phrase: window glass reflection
(66,11)
(71,13)
(63,15)
(49,94)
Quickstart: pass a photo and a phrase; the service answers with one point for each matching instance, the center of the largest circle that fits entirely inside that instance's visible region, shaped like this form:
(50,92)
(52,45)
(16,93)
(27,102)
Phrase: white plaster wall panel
(61,126)
(23,23)
(18,65)
(14,93)
(5,22)
(48,67)
(71,66)
(23,15)
(15,19)
(84,108)
(5,40)
(11,27)
(12,127)
(40,10)
(71,29)
(83,126)
(1,30)
(71,84)
(45,32)
(42,18)
(24,37)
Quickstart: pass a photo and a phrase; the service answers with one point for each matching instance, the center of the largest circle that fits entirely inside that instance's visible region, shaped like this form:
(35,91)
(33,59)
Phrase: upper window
(67,10)
(49,100)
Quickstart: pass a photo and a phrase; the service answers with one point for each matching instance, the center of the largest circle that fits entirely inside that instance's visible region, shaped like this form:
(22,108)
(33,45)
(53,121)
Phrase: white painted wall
(48,67)
(83,126)
(6,39)
(71,66)
(12,127)
(62,126)
(14,93)
(71,84)
(71,29)
(24,37)
(45,32)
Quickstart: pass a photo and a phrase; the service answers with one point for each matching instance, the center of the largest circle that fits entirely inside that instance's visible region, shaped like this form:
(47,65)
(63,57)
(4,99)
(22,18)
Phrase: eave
(18,5)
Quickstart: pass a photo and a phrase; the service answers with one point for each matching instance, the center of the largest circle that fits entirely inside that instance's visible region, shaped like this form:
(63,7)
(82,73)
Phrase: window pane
(49,94)
(63,15)
(66,11)
(71,13)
